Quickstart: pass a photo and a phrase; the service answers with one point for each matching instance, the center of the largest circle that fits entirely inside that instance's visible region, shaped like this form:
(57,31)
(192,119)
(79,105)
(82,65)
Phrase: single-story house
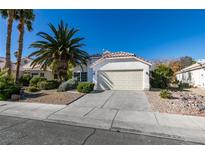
(26,68)
(193,75)
(37,71)
(111,70)
(116,71)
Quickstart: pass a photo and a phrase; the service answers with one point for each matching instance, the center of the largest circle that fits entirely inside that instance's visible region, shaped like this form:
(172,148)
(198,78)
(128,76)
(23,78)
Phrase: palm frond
(57,49)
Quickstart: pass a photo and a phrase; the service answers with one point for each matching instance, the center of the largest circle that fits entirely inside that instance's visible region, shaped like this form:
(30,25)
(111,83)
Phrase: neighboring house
(117,71)
(37,71)
(111,70)
(193,75)
(27,69)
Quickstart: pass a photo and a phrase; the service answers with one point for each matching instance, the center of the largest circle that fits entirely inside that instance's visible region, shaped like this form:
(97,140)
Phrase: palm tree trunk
(8,41)
(20,48)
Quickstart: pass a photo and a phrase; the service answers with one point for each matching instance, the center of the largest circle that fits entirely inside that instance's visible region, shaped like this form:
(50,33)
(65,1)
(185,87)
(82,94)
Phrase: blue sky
(151,34)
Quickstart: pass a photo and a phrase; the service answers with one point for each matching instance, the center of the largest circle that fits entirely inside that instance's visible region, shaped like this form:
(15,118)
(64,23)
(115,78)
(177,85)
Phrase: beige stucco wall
(47,74)
(193,77)
(123,64)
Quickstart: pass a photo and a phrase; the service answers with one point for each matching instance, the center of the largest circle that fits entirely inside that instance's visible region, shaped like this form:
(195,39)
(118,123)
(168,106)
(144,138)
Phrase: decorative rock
(201,107)
(15,97)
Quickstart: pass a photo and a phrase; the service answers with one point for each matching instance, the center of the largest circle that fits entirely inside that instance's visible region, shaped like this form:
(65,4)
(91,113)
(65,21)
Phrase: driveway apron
(115,100)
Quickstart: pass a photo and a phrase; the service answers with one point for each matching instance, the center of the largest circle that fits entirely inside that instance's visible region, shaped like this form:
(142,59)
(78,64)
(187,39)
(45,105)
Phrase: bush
(25,79)
(34,81)
(85,87)
(46,85)
(161,77)
(3,85)
(3,97)
(67,85)
(7,86)
(165,94)
(8,90)
(32,89)
(182,85)
(6,79)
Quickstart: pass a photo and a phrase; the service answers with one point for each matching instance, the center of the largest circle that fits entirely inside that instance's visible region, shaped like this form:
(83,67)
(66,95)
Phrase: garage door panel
(120,80)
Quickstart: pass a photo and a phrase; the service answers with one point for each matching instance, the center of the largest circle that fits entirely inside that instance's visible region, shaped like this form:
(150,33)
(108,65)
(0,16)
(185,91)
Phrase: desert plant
(32,89)
(182,85)
(7,86)
(67,85)
(34,81)
(6,78)
(7,90)
(165,94)
(47,85)
(58,49)
(161,77)
(53,84)
(25,79)
(85,87)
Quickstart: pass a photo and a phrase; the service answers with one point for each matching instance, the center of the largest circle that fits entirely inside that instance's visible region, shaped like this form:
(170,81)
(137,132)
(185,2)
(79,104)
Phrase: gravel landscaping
(52,97)
(187,102)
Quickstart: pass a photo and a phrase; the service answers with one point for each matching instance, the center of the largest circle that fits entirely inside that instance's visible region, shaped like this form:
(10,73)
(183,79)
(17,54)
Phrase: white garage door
(120,80)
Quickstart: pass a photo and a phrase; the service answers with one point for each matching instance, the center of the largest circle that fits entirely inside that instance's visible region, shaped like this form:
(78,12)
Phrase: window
(55,76)
(76,76)
(41,74)
(189,76)
(34,74)
(80,76)
(84,76)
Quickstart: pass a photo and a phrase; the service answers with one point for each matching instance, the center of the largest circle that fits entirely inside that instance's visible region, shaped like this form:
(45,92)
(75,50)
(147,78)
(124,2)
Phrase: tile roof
(192,67)
(120,54)
(108,54)
(28,67)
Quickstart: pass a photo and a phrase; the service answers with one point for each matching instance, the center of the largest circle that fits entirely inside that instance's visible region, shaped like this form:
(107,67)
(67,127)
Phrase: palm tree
(59,49)
(11,16)
(25,17)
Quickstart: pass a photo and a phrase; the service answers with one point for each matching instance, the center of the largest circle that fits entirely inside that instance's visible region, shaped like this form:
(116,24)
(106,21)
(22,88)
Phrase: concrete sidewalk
(188,128)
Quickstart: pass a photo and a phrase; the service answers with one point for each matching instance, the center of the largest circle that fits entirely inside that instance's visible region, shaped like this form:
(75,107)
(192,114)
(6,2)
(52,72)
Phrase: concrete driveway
(126,111)
(115,100)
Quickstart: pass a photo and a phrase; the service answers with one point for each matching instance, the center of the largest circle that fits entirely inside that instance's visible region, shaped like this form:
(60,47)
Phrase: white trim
(102,59)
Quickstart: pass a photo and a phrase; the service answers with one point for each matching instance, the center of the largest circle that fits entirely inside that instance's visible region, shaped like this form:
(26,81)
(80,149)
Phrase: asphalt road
(33,132)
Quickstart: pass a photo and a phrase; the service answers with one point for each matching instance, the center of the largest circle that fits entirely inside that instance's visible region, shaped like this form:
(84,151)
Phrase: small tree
(186,61)
(161,76)
(175,66)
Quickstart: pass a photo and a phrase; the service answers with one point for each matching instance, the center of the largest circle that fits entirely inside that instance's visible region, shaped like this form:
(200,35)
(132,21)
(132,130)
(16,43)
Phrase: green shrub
(3,85)
(7,86)
(8,90)
(34,81)
(182,85)
(161,76)
(25,79)
(3,97)
(32,89)
(14,89)
(7,79)
(85,87)
(46,85)
(165,94)
(67,85)
(53,84)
